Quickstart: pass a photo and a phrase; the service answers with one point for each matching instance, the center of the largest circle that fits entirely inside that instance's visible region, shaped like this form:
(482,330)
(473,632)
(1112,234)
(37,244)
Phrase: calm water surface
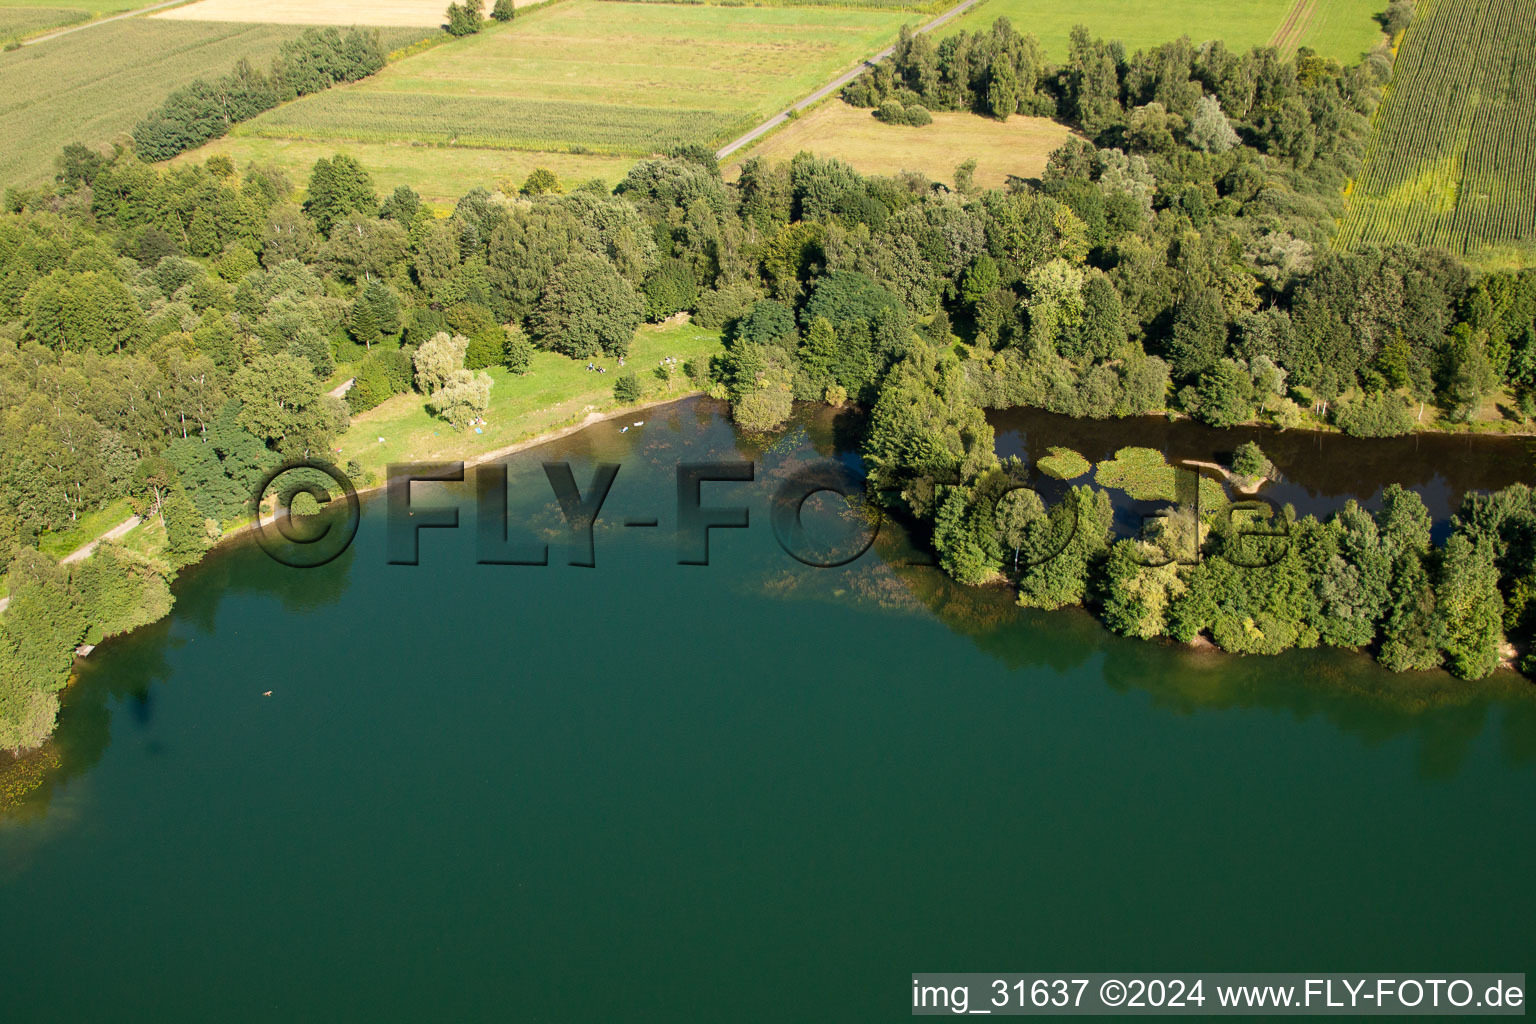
(748,791)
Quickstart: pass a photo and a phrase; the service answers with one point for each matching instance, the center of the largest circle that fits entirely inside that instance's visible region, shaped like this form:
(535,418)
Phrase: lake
(755,789)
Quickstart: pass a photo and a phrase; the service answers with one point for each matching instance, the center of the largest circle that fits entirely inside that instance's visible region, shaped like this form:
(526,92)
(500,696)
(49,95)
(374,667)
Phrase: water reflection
(1442,716)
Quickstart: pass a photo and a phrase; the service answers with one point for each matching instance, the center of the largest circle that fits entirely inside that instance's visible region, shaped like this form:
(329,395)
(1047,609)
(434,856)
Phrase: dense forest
(165,336)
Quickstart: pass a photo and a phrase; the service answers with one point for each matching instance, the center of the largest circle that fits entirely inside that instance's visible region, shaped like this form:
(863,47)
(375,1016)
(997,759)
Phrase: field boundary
(82,26)
(777,119)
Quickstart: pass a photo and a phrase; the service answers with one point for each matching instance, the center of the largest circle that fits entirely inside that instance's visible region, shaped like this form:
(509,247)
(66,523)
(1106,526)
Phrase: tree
(1410,628)
(1209,129)
(768,322)
(505,10)
(1469,610)
(438,360)
(1225,395)
(401,206)
(338,186)
(464,19)
(518,354)
(541,181)
(1249,460)
(186,533)
(627,388)
(38,634)
(1199,334)
(281,403)
(587,308)
(670,288)
(463,397)
(1063,557)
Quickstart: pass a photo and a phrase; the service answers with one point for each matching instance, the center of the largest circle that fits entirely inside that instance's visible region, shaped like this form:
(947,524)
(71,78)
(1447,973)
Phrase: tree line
(202,110)
(165,335)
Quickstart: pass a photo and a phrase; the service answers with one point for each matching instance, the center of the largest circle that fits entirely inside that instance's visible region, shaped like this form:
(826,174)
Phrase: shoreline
(592,419)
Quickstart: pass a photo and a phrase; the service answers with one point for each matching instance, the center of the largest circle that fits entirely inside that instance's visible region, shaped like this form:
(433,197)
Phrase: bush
(914,115)
(835,395)
(761,409)
(1376,415)
(504,10)
(383,373)
(627,388)
(487,347)
(1249,460)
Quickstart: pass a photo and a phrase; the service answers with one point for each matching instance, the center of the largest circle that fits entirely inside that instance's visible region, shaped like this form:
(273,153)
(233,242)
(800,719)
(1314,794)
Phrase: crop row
(1453,159)
(490,122)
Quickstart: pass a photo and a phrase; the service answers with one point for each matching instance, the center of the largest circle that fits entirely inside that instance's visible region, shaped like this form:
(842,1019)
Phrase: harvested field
(1019,146)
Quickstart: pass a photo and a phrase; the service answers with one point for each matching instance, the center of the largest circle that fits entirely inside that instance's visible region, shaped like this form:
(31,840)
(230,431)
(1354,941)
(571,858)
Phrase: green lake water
(752,790)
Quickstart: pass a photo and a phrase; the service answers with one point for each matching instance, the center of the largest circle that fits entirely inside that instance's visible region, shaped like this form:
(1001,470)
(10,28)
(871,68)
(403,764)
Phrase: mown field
(1341,29)
(441,176)
(93,86)
(1019,146)
(594,76)
(1453,158)
(22,18)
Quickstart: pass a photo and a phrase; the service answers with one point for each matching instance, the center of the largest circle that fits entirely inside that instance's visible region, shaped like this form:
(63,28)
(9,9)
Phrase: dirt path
(1288,36)
(827,90)
(84,552)
(102,21)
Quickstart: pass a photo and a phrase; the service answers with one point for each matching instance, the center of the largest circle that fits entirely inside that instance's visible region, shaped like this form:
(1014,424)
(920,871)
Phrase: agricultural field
(22,18)
(440,175)
(597,77)
(93,86)
(420,13)
(1019,146)
(1342,29)
(1453,158)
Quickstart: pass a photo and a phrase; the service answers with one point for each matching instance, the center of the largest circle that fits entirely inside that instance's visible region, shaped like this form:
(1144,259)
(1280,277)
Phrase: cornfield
(1452,161)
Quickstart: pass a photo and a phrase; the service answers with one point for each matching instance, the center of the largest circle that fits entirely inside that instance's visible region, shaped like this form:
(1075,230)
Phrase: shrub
(835,395)
(487,347)
(541,181)
(384,373)
(892,112)
(1249,460)
(1376,415)
(627,388)
(762,409)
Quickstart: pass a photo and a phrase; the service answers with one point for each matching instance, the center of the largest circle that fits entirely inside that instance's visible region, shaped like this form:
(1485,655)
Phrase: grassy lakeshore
(556,392)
